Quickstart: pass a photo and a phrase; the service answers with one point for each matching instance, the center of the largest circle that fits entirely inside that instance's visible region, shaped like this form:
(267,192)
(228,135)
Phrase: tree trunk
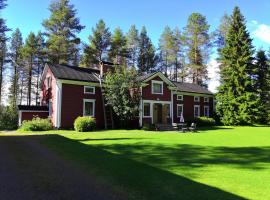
(29,82)
(1,79)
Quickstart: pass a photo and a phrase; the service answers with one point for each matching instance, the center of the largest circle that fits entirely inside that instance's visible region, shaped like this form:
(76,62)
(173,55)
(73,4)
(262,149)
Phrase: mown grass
(221,163)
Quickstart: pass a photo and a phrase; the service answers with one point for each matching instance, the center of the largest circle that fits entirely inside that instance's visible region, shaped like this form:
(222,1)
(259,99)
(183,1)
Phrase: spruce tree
(237,102)
(118,50)
(147,58)
(15,55)
(62,28)
(262,85)
(197,40)
(132,38)
(98,48)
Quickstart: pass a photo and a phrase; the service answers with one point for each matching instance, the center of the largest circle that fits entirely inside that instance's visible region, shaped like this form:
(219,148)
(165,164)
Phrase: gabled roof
(145,76)
(191,87)
(67,72)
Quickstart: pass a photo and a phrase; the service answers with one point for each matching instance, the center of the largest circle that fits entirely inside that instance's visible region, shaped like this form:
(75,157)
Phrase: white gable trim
(162,76)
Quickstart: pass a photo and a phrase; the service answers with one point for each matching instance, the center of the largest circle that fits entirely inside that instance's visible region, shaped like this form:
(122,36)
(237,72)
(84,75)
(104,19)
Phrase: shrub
(84,124)
(205,121)
(8,118)
(148,127)
(36,124)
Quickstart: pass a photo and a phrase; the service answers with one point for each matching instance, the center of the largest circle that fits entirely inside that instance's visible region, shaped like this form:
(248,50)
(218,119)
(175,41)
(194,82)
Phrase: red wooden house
(69,92)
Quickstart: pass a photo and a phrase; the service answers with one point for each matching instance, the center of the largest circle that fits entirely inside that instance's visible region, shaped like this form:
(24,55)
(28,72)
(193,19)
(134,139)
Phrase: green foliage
(205,121)
(61,29)
(132,38)
(118,50)
(36,124)
(147,54)
(197,40)
(122,93)
(148,127)
(8,118)
(100,41)
(237,101)
(84,124)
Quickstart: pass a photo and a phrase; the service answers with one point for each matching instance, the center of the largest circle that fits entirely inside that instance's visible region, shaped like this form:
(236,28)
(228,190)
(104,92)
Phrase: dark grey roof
(191,87)
(33,108)
(145,76)
(74,73)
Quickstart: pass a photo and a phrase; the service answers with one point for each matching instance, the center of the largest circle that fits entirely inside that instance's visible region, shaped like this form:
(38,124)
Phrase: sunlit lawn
(223,163)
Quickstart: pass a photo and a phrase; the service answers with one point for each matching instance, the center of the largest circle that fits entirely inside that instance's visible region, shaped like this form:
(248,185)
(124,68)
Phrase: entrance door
(157,114)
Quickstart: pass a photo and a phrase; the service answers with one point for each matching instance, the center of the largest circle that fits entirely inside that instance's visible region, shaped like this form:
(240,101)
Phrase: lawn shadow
(139,180)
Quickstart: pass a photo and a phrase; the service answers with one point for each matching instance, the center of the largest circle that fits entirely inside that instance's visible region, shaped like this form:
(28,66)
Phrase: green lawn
(222,163)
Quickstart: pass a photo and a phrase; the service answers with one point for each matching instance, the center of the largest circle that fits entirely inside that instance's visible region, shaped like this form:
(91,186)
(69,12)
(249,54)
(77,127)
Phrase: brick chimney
(105,67)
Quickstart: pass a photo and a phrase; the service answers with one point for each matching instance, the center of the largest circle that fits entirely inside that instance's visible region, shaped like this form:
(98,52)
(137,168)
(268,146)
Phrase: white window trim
(197,106)
(149,110)
(207,112)
(179,99)
(206,99)
(94,106)
(179,114)
(158,82)
(94,90)
(195,99)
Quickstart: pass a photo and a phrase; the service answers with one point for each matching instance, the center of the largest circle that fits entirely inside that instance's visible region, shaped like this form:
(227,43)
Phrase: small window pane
(146,109)
(88,109)
(206,111)
(90,90)
(196,111)
(180,97)
(197,99)
(157,87)
(179,110)
(206,99)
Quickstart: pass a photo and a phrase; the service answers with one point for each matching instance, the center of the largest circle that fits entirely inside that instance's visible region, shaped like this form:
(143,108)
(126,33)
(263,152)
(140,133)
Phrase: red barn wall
(29,115)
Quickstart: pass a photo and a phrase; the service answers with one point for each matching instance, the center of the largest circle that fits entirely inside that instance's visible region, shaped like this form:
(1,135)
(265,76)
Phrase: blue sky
(154,14)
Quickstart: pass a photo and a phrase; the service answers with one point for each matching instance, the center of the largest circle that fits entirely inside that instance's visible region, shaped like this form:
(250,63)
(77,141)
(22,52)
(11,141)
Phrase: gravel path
(28,170)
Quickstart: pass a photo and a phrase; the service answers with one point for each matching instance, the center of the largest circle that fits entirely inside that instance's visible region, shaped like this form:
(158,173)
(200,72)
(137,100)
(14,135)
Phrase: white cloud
(254,22)
(213,75)
(262,32)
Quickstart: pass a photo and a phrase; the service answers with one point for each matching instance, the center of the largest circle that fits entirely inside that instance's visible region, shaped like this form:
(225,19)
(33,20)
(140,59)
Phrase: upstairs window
(89,90)
(157,87)
(196,99)
(206,99)
(179,97)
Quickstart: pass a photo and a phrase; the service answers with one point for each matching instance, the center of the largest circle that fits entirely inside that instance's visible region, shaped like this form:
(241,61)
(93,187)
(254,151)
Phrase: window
(89,90)
(89,107)
(206,99)
(50,108)
(196,111)
(196,99)
(206,111)
(146,110)
(48,82)
(180,97)
(157,87)
(179,110)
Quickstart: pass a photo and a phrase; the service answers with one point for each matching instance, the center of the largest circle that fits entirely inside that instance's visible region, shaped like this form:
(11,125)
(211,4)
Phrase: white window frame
(156,82)
(206,99)
(197,106)
(179,114)
(94,90)
(49,82)
(94,106)
(149,109)
(180,99)
(207,111)
(195,97)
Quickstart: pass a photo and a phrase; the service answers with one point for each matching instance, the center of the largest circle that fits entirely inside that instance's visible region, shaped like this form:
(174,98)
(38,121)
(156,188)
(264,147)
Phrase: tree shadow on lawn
(193,156)
(139,180)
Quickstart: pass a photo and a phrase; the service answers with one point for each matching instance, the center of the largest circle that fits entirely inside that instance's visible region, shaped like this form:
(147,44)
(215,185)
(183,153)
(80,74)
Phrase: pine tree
(29,53)
(147,58)
(118,50)
(237,102)
(99,45)
(3,47)
(222,31)
(197,40)
(15,55)
(132,38)
(62,28)
(262,85)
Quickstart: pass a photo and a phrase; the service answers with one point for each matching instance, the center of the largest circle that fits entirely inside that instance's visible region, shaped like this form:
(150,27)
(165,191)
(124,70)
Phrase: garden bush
(148,127)
(36,124)
(205,121)
(84,124)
